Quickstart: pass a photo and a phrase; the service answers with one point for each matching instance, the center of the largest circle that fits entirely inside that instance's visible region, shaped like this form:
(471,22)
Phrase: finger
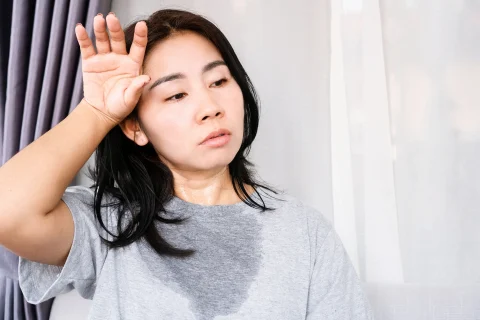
(137,50)
(117,37)
(134,90)
(86,46)
(101,36)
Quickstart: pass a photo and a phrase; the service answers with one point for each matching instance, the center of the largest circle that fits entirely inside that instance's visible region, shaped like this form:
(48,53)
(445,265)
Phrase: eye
(219,82)
(176,97)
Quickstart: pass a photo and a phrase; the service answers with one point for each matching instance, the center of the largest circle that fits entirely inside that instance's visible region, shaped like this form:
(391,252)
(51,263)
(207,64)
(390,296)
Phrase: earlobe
(140,138)
(132,131)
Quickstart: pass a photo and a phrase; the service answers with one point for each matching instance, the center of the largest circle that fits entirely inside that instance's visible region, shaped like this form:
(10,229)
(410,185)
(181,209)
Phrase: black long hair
(138,181)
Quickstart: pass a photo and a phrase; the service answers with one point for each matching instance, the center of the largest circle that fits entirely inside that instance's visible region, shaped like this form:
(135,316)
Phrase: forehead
(181,52)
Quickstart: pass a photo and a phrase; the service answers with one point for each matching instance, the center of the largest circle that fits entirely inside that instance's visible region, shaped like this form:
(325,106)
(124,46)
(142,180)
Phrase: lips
(215,134)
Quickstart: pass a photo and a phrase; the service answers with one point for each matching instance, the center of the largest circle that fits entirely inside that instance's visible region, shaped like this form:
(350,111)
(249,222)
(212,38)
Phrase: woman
(175,225)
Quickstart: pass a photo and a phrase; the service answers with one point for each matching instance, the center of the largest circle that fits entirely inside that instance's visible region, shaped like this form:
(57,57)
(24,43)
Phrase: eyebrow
(176,76)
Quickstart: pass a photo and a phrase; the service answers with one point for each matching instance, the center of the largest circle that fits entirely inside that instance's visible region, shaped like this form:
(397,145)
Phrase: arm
(335,289)
(34,222)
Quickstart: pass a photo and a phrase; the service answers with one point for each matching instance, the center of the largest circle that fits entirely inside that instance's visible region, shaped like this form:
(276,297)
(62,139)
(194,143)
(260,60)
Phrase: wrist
(102,122)
(111,122)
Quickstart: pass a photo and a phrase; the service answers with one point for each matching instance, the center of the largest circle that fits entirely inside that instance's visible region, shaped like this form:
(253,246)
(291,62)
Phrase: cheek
(232,99)
(168,130)
(236,113)
(238,109)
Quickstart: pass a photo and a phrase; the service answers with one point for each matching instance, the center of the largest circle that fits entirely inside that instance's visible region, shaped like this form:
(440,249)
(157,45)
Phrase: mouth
(217,138)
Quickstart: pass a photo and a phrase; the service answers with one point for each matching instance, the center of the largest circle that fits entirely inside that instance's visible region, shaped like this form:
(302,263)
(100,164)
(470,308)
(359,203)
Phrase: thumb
(134,90)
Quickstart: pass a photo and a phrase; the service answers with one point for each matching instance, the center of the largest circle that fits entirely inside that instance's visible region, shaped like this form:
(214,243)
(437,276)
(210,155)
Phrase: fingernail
(78,24)
(112,13)
(100,14)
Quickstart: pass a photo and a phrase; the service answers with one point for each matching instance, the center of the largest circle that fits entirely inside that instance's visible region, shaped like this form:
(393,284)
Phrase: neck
(213,187)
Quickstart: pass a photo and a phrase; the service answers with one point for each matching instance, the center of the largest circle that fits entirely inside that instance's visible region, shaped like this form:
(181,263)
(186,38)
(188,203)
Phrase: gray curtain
(40,84)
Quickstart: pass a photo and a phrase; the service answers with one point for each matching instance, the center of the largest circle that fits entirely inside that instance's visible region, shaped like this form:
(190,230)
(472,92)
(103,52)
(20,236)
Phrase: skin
(175,117)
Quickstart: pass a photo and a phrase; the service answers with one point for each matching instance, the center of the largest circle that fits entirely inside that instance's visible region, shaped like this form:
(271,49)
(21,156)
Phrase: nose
(209,110)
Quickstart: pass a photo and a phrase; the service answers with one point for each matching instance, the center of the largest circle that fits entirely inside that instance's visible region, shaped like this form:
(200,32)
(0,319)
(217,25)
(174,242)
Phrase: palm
(101,75)
(111,76)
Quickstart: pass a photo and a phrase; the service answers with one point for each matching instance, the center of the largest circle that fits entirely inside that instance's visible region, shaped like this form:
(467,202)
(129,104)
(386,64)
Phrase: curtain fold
(5,23)
(40,84)
(23,13)
(41,34)
(362,167)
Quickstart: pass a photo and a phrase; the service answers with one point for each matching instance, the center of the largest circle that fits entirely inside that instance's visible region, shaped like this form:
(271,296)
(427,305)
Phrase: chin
(215,161)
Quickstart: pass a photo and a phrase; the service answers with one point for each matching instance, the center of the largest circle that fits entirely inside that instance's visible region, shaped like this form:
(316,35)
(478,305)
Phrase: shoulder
(318,225)
(80,191)
(81,202)
(85,195)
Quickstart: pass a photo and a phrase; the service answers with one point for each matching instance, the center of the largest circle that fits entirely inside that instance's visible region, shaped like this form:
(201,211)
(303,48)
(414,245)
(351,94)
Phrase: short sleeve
(40,282)
(335,291)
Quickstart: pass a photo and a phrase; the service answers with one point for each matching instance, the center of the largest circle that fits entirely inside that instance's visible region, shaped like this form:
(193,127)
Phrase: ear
(131,128)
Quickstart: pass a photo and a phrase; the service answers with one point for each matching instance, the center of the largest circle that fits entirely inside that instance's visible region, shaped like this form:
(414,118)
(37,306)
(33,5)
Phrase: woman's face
(191,94)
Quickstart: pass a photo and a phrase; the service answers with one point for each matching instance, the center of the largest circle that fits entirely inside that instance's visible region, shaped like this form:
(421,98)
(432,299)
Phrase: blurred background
(370,113)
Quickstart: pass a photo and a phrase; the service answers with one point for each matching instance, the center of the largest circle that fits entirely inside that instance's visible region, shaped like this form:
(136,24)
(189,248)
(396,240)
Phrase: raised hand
(112,82)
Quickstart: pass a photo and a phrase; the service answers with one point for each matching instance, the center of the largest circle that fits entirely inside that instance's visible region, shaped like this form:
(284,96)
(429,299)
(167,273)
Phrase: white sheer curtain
(405,112)
(371,114)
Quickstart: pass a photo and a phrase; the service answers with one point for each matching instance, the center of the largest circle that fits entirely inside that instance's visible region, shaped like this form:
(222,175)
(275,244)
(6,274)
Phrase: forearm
(33,181)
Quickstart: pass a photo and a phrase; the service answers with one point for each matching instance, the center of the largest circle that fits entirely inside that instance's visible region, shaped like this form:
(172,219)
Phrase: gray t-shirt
(288,263)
